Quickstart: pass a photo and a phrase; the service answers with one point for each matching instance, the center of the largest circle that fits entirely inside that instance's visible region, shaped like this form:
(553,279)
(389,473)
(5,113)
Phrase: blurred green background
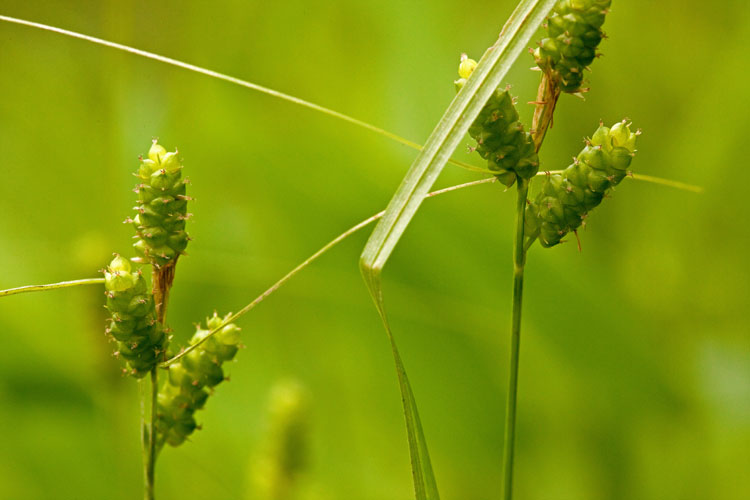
(635,362)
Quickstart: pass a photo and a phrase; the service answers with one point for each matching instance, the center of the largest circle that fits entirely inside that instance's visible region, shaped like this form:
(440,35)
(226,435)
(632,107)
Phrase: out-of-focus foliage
(635,362)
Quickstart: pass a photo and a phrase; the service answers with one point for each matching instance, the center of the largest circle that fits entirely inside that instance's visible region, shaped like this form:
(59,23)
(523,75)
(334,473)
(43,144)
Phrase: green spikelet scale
(565,199)
(501,138)
(573,34)
(161,209)
(186,389)
(140,339)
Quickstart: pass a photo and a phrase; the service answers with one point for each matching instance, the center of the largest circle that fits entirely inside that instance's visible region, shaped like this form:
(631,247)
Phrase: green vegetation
(640,395)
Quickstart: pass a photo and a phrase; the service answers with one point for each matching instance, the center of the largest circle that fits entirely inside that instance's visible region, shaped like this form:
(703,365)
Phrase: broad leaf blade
(452,127)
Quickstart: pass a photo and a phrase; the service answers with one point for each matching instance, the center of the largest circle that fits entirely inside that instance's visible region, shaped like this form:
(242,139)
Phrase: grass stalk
(100,281)
(150,452)
(235,81)
(519,261)
(162,283)
(145,437)
(309,261)
(547,96)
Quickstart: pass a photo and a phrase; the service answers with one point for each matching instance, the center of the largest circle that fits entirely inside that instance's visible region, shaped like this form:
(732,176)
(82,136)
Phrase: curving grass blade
(454,124)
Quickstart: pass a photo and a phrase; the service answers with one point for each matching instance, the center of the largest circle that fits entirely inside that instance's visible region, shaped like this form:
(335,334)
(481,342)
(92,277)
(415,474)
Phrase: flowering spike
(162,208)
(573,34)
(500,136)
(565,199)
(190,380)
(132,324)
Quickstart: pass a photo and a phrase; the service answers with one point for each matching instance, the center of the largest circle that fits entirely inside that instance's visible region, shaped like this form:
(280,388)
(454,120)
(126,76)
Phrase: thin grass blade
(452,127)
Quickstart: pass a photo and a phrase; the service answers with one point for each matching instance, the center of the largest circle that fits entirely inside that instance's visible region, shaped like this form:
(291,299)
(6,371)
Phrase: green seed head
(573,34)
(117,277)
(161,209)
(186,389)
(140,339)
(565,200)
(500,136)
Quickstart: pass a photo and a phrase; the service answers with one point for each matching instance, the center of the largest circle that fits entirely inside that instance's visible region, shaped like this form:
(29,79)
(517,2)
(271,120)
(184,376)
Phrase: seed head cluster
(186,389)
(162,208)
(140,339)
(573,34)
(566,199)
(501,138)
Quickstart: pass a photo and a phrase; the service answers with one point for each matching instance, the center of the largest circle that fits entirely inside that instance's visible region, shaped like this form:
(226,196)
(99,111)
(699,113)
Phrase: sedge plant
(181,380)
(573,29)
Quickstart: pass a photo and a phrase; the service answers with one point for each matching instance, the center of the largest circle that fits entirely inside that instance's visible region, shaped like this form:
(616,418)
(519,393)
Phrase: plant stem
(338,239)
(145,438)
(162,282)
(235,81)
(51,286)
(150,452)
(547,96)
(519,260)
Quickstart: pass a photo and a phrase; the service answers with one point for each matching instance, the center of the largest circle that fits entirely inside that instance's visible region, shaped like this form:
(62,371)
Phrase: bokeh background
(635,363)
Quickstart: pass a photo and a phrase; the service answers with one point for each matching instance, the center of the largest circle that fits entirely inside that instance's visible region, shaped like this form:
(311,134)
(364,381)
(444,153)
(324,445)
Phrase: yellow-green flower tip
(118,277)
(156,152)
(146,168)
(120,264)
(466,67)
(170,163)
(622,137)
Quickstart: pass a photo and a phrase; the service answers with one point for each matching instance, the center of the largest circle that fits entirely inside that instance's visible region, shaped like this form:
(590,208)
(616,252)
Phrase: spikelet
(186,389)
(573,34)
(140,339)
(500,136)
(565,199)
(161,209)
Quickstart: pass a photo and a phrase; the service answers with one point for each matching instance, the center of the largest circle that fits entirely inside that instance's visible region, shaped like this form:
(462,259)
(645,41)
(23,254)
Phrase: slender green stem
(162,283)
(519,260)
(51,286)
(145,435)
(309,261)
(327,247)
(235,81)
(547,96)
(666,182)
(283,96)
(99,281)
(150,453)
